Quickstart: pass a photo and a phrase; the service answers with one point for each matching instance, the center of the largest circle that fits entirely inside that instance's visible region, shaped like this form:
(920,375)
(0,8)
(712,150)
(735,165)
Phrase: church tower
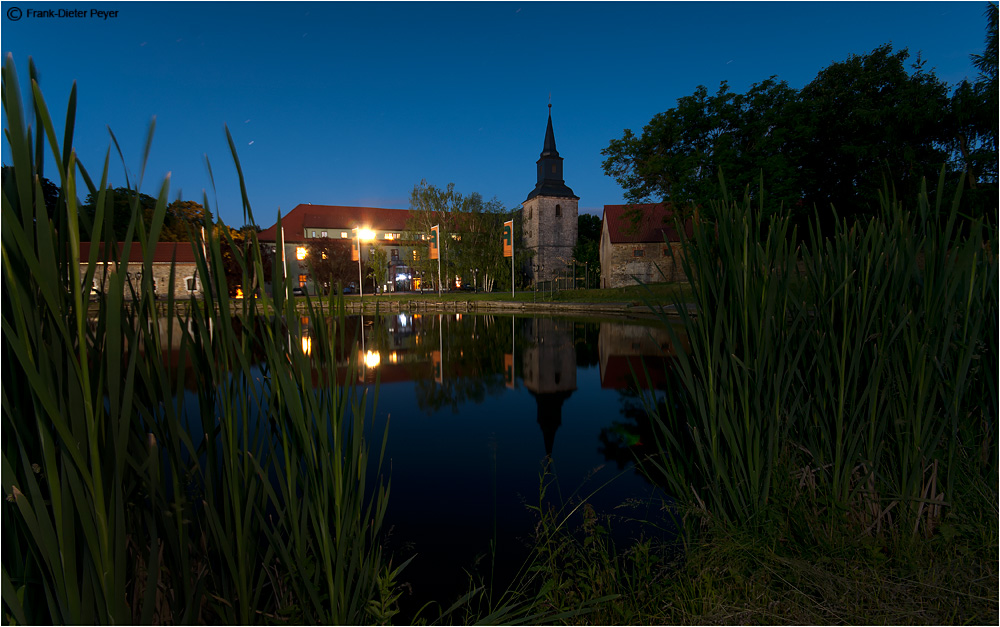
(549,215)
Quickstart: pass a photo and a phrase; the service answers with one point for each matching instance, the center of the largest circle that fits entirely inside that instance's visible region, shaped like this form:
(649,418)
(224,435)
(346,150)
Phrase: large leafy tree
(862,123)
(471,230)
(681,151)
(183,217)
(869,122)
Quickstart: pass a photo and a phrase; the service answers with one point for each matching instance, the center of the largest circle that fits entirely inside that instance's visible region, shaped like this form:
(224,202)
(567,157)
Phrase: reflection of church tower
(549,214)
(549,371)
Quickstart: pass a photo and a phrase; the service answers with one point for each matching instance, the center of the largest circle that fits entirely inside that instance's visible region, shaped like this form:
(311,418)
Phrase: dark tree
(588,243)
(330,262)
(861,124)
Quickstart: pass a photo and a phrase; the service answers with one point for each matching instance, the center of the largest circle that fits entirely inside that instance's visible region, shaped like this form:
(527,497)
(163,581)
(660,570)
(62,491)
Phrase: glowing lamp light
(366,235)
(307,345)
(300,252)
(372,359)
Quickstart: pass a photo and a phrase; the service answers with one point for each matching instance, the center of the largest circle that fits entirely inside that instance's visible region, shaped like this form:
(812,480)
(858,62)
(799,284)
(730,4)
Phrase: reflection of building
(628,350)
(647,250)
(549,370)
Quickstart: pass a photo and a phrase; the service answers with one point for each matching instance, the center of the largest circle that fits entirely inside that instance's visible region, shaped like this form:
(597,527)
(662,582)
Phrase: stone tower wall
(551,237)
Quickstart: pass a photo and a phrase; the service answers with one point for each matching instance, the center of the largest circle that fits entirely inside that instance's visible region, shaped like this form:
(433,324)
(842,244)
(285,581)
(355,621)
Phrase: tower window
(558,211)
(530,211)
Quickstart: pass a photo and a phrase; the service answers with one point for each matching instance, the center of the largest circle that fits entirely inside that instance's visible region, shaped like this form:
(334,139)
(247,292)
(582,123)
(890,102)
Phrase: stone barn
(177,255)
(640,245)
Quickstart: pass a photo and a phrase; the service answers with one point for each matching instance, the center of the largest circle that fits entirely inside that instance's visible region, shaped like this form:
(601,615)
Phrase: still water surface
(477,408)
(479,405)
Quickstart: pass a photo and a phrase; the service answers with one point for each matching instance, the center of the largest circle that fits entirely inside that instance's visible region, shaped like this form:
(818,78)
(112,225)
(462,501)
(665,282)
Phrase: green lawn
(657,292)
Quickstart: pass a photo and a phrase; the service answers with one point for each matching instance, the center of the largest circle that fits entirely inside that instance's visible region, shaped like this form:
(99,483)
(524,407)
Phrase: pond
(479,406)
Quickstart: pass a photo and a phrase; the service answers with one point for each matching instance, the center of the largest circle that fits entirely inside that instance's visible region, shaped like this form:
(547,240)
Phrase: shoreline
(355,306)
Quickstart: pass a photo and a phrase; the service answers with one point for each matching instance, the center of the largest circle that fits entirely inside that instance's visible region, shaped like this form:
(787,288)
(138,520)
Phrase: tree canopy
(860,124)
(471,230)
(182,215)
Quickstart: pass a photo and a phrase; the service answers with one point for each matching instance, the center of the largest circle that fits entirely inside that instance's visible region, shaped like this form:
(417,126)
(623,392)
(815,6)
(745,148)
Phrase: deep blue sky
(355,103)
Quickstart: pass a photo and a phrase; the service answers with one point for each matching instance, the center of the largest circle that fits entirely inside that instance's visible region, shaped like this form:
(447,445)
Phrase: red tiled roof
(165,252)
(655,224)
(335,217)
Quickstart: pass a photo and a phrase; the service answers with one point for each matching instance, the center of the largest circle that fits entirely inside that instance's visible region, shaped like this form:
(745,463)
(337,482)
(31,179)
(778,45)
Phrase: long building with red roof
(307,223)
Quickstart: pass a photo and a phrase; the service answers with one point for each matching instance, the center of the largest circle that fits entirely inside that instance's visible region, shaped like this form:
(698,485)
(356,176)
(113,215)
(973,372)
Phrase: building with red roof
(640,243)
(174,261)
(386,228)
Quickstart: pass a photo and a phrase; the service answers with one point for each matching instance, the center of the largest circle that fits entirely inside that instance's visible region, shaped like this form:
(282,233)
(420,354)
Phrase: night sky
(355,103)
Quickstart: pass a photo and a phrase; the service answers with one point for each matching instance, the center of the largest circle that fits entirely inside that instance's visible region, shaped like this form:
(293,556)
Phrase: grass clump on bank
(830,438)
(248,503)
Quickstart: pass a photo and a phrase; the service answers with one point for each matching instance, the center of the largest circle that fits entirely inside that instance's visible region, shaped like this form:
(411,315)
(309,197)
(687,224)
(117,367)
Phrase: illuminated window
(314,234)
(323,254)
(324,234)
(300,252)
(343,235)
(302,280)
(416,257)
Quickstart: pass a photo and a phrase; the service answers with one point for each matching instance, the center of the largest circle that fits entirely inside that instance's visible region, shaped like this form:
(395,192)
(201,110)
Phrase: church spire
(549,147)
(550,168)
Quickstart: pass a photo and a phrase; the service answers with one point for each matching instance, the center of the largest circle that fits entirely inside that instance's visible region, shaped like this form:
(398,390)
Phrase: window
(191,283)
(323,234)
(394,254)
(302,280)
(638,252)
(666,252)
(314,234)
(300,252)
(416,257)
(530,209)
(558,211)
(343,235)
(323,254)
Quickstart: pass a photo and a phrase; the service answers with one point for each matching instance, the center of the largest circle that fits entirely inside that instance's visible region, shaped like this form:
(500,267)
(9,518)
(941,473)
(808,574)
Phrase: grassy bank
(831,436)
(634,294)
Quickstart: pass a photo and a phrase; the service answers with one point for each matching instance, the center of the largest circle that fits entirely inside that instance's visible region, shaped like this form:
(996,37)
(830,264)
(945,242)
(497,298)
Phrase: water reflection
(549,367)
(477,404)
(454,361)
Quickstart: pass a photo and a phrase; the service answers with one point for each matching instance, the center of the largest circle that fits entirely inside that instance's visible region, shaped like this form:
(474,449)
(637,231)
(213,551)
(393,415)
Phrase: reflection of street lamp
(366,235)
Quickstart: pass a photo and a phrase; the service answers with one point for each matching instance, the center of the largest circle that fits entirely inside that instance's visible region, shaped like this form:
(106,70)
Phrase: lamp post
(366,235)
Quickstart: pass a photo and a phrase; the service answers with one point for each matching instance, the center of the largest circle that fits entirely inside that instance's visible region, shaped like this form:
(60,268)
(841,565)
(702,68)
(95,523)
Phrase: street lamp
(363,235)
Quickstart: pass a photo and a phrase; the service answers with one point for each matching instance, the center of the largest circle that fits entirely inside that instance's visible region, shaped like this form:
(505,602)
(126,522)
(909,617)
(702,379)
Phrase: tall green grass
(119,508)
(852,380)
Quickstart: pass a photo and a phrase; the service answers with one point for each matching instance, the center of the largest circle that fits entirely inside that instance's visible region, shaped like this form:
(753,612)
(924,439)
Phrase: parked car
(298,291)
